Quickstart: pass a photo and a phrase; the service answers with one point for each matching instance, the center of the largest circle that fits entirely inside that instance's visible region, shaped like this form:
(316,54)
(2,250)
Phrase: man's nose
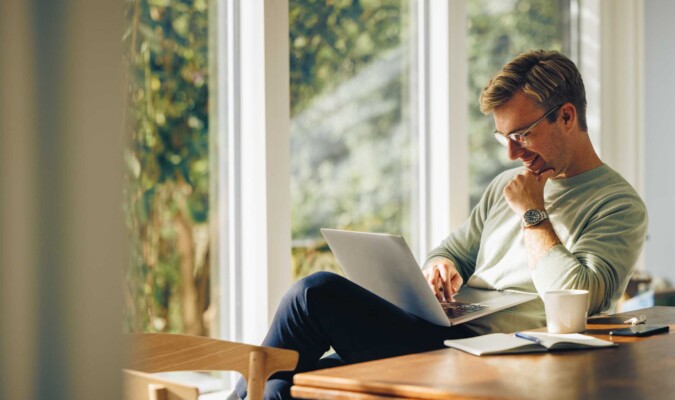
(515,150)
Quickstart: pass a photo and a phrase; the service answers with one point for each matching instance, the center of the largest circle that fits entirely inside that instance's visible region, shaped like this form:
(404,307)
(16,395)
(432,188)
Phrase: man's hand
(526,191)
(443,279)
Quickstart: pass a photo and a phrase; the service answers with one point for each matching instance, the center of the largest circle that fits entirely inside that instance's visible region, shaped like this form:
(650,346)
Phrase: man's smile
(528,162)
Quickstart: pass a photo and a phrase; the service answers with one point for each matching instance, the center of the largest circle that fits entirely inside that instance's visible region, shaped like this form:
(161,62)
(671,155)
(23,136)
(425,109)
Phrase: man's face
(544,148)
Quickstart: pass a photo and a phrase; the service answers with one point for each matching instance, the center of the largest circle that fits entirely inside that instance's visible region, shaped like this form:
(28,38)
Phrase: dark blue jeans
(326,310)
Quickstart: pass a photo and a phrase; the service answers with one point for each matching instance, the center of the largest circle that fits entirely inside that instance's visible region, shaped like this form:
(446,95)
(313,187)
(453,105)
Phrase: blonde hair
(549,77)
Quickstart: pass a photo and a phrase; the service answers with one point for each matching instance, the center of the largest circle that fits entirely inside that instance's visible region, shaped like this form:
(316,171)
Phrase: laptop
(384,265)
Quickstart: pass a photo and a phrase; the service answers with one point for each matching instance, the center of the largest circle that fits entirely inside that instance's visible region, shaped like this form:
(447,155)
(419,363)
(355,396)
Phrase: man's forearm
(538,240)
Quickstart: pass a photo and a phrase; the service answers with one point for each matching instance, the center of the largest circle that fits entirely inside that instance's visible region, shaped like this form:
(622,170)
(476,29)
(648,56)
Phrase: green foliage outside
(167,165)
(351,152)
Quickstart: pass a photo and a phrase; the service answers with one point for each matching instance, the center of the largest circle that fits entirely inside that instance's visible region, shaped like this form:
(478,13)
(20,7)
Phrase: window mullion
(446,162)
(420,105)
(264,170)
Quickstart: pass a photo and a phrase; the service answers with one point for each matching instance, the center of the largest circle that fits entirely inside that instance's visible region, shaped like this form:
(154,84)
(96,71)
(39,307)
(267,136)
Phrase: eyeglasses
(520,137)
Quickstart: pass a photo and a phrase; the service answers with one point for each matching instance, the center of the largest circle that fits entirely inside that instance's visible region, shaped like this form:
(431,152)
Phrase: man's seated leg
(325,309)
(330,361)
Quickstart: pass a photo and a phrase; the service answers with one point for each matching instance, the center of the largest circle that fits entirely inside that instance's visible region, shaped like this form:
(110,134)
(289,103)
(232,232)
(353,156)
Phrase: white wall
(660,136)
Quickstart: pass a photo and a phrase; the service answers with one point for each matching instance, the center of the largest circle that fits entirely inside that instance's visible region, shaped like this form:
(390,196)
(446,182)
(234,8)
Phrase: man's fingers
(443,280)
(544,176)
(432,280)
(446,284)
(442,271)
(456,283)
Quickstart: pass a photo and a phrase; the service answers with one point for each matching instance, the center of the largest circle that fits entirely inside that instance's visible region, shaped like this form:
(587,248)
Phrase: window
(369,83)
(353,157)
(357,130)
(167,160)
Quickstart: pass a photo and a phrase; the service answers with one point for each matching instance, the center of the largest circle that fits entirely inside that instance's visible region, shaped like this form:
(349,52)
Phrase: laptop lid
(384,265)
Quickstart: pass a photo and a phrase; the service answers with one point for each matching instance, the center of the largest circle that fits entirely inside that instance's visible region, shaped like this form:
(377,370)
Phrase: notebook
(502,343)
(384,265)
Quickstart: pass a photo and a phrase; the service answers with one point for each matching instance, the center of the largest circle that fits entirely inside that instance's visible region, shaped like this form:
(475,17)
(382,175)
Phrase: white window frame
(612,64)
(253,202)
(447,159)
(254,190)
(440,110)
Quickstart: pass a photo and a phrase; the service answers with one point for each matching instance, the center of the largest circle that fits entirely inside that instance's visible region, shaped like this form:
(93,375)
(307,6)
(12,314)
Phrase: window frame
(253,186)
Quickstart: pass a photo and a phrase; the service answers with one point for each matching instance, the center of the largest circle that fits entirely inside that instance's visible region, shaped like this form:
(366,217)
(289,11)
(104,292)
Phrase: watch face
(532,217)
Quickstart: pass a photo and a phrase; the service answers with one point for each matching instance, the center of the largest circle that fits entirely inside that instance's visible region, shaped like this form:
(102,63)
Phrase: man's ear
(569,115)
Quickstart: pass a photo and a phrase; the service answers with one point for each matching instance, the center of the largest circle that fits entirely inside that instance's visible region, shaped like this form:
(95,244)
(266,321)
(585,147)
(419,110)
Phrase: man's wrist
(533,217)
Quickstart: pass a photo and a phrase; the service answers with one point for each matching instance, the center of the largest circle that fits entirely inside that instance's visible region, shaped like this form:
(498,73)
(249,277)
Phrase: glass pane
(498,31)
(167,164)
(352,158)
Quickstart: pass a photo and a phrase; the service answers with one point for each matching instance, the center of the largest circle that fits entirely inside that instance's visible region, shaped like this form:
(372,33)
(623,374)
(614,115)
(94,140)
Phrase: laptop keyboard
(455,309)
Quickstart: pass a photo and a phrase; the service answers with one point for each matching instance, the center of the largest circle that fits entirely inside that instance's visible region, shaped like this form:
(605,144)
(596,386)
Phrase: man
(596,223)
(562,221)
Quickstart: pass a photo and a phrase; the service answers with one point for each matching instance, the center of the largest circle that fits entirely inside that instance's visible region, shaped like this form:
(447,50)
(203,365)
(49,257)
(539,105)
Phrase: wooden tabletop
(637,368)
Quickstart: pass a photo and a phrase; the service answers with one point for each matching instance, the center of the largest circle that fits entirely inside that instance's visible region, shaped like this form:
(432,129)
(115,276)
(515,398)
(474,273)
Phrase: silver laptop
(384,265)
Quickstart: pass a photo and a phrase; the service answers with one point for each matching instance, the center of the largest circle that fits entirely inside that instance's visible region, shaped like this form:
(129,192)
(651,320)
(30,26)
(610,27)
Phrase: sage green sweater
(600,220)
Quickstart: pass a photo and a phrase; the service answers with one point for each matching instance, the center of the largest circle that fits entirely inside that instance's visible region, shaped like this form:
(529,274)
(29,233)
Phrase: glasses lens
(503,140)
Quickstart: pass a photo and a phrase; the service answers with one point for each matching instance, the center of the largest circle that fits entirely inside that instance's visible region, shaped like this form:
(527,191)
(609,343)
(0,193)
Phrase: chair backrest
(160,352)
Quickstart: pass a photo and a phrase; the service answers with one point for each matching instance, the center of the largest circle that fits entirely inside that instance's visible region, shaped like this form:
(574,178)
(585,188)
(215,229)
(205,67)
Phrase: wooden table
(639,368)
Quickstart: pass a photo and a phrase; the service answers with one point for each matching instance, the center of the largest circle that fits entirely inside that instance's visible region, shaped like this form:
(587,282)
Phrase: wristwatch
(533,217)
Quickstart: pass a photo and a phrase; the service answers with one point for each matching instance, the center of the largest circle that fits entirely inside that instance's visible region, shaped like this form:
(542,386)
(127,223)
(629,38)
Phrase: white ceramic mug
(566,310)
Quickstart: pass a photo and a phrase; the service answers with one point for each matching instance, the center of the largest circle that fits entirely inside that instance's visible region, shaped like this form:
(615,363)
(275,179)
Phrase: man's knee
(320,279)
(317,282)
(313,289)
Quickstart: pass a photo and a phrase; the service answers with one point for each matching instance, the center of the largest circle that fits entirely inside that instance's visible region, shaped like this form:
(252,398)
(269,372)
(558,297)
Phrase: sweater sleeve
(603,256)
(462,245)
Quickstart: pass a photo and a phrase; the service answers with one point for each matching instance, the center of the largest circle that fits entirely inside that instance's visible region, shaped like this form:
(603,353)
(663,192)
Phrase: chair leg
(157,392)
(256,375)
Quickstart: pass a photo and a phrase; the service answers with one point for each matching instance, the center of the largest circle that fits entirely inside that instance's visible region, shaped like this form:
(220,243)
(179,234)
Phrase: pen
(528,337)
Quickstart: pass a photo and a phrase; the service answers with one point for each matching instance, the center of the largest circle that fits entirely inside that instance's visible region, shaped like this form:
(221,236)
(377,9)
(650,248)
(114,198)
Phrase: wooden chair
(142,386)
(159,352)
